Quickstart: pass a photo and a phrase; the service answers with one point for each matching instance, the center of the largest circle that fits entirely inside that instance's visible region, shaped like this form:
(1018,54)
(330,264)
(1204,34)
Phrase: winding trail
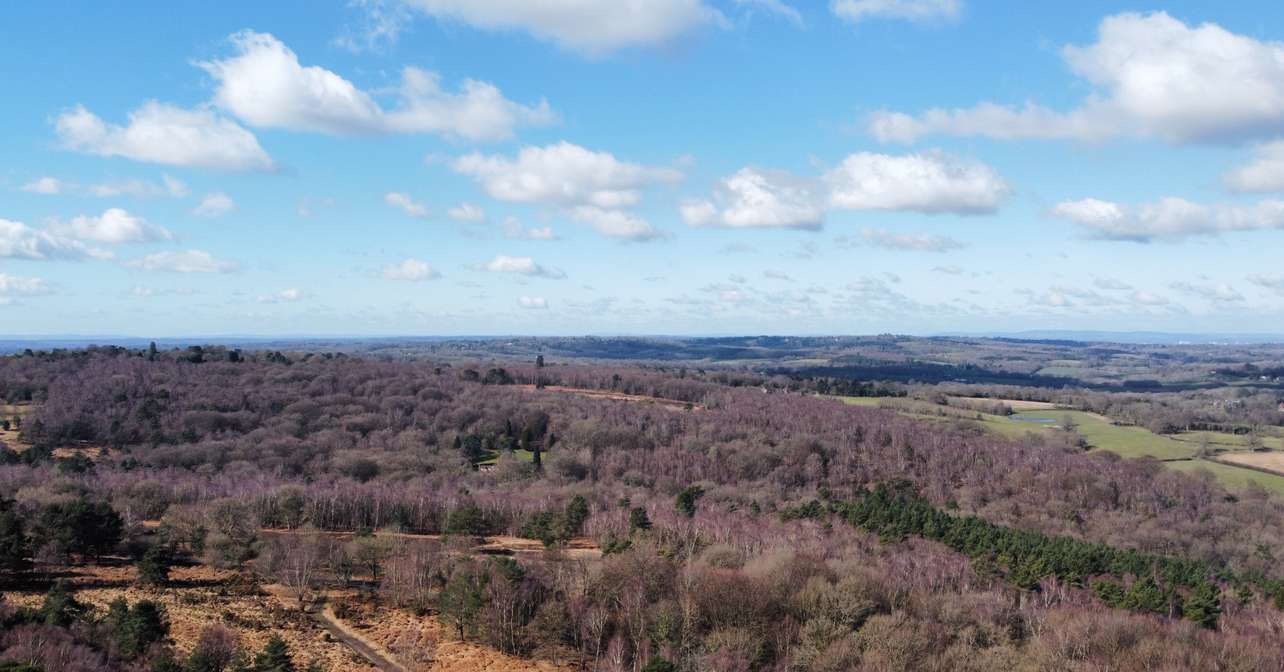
(326,618)
(579,548)
(671,404)
(372,652)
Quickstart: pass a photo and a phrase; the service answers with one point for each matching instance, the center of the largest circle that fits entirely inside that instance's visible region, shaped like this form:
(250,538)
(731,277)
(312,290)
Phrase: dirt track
(395,640)
(580,548)
(356,642)
(671,404)
(326,618)
(199,596)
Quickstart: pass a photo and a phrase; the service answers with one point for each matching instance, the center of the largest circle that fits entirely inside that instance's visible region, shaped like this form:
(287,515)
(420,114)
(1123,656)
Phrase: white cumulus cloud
(909,10)
(49,186)
(753,198)
(1112,284)
(13,287)
(910,242)
(563,174)
(290,295)
(19,241)
(1271,281)
(521,266)
(114,226)
(1264,173)
(615,223)
(410,270)
(533,302)
(165,134)
(593,187)
(1217,293)
(168,186)
(187,261)
(931,183)
(215,204)
(1152,76)
(588,26)
(1167,218)
(514,229)
(406,204)
(265,86)
(466,212)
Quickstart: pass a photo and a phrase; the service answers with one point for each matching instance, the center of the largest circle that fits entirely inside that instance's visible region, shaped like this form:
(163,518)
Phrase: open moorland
(208,508)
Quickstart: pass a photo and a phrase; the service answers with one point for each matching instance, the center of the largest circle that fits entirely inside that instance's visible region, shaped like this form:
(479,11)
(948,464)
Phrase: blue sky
(445,167)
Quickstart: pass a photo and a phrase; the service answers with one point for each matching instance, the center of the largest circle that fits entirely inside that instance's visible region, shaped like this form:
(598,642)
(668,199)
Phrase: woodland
(740,520)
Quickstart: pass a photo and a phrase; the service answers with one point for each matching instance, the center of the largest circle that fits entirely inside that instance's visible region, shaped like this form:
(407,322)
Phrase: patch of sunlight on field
(861,401)
(521,455)
(1008,428)
(1014,404)
(1100,433)
(1060,371)
(1233,477)
(1226,440)
(1126,441)
(914,407)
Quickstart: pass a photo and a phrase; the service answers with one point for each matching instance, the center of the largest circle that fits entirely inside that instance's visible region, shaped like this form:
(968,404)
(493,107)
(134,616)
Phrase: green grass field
(1101,434)
(493,457)
(1127,441)
(1227,441)
(1064,371)
(1234,477)
(862,401)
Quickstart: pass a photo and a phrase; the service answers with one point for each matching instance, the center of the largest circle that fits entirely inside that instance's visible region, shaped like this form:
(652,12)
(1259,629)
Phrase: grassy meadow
(1177,451)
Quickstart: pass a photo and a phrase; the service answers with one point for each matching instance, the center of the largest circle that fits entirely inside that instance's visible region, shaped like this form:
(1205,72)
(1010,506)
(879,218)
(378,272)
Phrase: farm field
(1016,404)
(1227,441)
(868,402)
(1131,442)
(492,457)
(1272,460)
(914,407)
(1232,476)
(1101,433)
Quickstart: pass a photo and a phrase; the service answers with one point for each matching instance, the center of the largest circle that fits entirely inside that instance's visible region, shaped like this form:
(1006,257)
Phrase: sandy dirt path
(671,404)
(326,618)
(372,652)
(580,548)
